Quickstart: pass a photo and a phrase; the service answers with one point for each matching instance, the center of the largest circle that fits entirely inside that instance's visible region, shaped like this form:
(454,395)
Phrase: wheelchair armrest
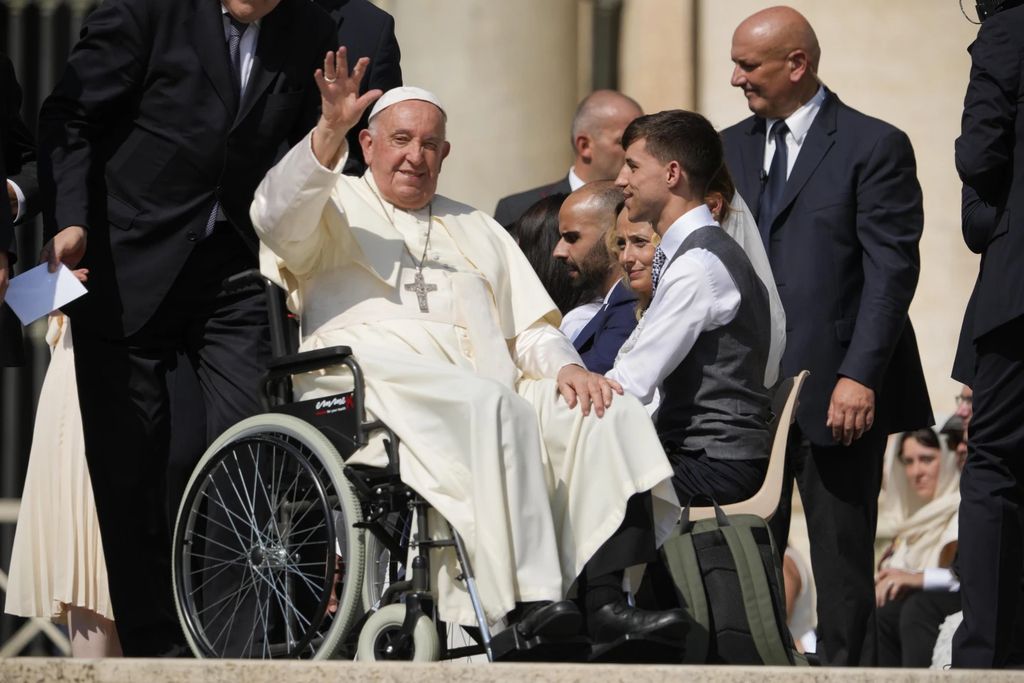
(308,361)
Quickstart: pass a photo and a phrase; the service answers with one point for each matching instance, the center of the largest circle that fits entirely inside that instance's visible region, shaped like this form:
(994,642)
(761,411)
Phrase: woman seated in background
(914,588)
(536,233)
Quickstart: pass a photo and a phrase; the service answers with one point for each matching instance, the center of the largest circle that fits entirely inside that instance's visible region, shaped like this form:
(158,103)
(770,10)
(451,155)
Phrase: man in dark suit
(366,31)
(598,328)
(18,175)
(166,118)
(597,143)
(990,158)
(838,204)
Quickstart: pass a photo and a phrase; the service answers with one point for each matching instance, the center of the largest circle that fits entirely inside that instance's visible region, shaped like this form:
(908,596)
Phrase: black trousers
(991,538)
(907,628)
(122,386)
(726,481)
(839,488)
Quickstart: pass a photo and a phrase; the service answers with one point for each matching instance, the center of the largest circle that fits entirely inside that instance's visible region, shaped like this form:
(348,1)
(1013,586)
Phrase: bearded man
(599,327)
(464,362)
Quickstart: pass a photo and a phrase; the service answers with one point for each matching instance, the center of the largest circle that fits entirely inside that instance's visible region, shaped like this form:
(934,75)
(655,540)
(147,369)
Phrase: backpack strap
(681,560)
(757,596)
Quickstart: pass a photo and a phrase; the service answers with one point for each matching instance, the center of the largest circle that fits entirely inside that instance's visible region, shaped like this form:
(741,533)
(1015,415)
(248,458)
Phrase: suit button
(192,236)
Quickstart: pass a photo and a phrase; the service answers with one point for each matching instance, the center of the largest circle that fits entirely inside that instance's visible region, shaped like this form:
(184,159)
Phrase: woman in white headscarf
(914,588)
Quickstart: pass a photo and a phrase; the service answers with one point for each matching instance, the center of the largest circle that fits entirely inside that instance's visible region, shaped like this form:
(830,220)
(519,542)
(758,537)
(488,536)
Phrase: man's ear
(583,145)
(446,149)
(366,142)
(675,176)
(798,65)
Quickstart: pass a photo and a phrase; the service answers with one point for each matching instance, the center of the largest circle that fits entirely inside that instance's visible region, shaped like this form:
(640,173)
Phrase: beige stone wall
(904,62)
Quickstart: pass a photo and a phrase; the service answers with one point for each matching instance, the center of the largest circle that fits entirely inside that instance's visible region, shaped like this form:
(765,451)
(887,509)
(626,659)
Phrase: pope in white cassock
(501,428)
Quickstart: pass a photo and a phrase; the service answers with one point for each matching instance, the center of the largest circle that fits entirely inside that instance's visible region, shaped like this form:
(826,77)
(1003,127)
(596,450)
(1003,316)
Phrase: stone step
(37,670)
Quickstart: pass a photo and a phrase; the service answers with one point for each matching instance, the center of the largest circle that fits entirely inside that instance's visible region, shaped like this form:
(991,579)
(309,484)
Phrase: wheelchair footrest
(511,646)
(638,649)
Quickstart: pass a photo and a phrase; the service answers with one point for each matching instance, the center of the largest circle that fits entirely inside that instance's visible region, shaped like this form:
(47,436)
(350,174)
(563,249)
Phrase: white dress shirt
(246,46)
(799,122)
(575,182)
(575,320)
(21,200)
(695,294)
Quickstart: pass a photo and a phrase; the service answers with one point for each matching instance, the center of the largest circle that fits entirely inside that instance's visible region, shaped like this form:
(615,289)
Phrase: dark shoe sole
(637,649)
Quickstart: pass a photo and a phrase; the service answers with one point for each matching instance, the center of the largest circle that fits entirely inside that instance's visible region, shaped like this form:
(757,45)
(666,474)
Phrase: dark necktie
(235,30)
(771,193)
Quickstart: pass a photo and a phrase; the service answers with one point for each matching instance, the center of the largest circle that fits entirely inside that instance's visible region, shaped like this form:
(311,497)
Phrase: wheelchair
(282,550)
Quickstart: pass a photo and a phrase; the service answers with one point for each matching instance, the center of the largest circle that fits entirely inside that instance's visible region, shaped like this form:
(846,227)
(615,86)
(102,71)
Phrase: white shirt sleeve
(21,199)
(940,579)
(541,350)
(695,294)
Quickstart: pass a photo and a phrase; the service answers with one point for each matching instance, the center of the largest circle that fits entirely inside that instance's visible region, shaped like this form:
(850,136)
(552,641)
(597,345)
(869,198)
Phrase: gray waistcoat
(715,401)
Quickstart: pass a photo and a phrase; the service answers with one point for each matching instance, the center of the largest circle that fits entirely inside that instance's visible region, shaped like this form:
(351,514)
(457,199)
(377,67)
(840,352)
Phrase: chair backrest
(766,500)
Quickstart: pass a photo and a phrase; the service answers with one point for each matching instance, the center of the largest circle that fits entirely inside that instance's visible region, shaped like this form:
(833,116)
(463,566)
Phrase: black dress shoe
(617,619)
(549,620)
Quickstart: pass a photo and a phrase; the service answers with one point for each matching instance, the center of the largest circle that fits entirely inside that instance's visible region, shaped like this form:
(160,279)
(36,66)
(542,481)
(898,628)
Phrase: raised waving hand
(341,104)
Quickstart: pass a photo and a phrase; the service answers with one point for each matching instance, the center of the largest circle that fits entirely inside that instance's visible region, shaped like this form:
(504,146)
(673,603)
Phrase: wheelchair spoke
(251,521)
(239,595)
(262,488)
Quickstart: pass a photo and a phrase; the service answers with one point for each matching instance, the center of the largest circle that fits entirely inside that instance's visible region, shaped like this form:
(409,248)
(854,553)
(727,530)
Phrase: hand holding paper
(38,292)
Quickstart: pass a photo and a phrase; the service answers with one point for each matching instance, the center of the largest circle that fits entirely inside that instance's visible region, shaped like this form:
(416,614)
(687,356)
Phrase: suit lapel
(816,145)
(207,31)
(620,296)
(269,56)
(752,162)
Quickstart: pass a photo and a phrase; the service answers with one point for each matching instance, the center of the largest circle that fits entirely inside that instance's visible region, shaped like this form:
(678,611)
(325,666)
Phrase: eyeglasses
(961,400)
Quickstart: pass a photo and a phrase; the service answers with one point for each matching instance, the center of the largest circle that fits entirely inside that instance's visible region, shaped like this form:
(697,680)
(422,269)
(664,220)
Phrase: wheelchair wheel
(381,638)
(266,561)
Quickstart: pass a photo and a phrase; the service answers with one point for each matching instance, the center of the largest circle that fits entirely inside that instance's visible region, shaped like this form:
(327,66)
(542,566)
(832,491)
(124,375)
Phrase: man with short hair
(704,344)
(838,205)
(597,328)
(462,361)
(596,141)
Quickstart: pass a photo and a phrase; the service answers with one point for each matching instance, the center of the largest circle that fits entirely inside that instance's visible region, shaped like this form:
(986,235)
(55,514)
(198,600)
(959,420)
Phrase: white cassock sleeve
(288,204)
(541,350)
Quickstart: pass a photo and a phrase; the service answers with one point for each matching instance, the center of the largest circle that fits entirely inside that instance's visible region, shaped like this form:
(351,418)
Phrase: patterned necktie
(235,30)
(771,193)
(656,266)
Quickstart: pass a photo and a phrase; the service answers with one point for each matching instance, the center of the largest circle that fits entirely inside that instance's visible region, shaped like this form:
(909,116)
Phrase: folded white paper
(38,292)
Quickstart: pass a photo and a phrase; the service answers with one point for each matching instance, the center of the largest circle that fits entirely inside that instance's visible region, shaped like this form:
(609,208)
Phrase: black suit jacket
(600,340)
(144,132)
(844,251)
(990,160)
(17,162)
(366,31)
(510,208)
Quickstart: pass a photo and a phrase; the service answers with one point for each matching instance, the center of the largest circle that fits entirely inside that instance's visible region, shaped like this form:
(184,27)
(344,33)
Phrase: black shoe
(549,619)
(617,619)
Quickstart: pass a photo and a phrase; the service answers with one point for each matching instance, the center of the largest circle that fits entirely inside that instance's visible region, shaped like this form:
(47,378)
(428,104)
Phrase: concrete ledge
(38,670)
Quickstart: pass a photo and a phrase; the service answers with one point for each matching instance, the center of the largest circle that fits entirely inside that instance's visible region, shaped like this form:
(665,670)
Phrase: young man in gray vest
(699,361)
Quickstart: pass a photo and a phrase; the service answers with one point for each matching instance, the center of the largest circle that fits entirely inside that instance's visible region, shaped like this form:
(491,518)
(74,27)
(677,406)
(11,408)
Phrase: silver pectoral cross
(420,286)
